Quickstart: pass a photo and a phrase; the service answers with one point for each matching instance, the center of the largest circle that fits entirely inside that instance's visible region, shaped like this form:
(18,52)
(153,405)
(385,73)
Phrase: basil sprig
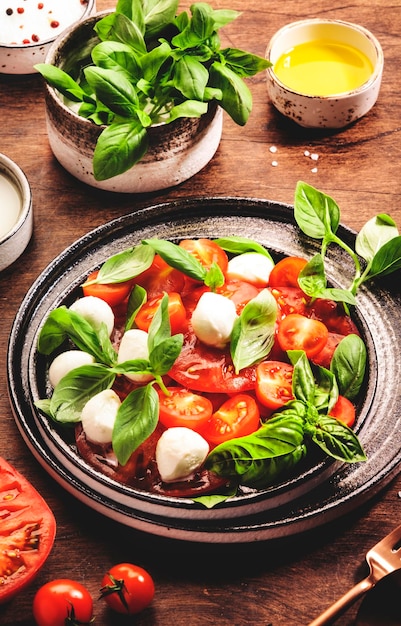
(378,243)
(153,65)
(259,459)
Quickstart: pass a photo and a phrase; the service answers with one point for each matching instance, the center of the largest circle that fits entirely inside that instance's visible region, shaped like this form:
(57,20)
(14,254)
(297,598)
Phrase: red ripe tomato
(237,417)
(344,411)
(27,531)
(325,355)
(176,312)
(184,408)
(160,278)
(286,272)
(112,293)
(333,316)
(239,291)
(61,600)
(297,332)
(127,588)
(274,383)
(207,252)
(290,300)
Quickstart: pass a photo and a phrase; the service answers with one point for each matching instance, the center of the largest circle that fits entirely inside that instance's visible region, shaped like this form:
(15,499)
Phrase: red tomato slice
(297,332)
(286,272)
(239,291)
(113,293)
(290,300)
(176,312)
(207,252)
(333,316)
(274,383)
(201,368)
(27,531)
(325,355)
(184,408)
(160,278)
(237,417)
(344,411)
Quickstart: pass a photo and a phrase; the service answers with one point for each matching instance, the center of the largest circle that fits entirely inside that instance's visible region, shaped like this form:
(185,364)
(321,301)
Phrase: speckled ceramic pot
(334,111)
(15,239)
(39,34)
(177,151)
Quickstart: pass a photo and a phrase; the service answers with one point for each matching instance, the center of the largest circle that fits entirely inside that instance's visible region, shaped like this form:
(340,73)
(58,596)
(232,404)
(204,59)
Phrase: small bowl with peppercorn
(28,28)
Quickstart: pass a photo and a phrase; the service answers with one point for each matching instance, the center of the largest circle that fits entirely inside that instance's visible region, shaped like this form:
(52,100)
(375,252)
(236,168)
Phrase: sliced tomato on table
(183,407)
(344,411)
(297,332)
(206,252)
(237,417)
(175,309)
(112,293)
(274,383)
(27,531)
(286,272)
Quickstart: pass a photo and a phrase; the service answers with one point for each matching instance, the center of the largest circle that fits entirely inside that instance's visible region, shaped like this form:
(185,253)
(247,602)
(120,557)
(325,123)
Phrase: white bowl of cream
(324,73)
(16,224)
(28,28)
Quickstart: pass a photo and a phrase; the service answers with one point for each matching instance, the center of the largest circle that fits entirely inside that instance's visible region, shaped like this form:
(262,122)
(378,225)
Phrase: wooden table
(288,582)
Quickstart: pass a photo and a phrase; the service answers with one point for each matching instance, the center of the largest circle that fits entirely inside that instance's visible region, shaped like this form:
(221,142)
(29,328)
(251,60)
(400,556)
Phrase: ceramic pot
(176,152)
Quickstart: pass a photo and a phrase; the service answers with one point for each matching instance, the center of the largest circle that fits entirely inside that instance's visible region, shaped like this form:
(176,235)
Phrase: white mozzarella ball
(179,453)
(213,319)
(134,345)
(253,267)
(99,415)
(95,311)
(66,362)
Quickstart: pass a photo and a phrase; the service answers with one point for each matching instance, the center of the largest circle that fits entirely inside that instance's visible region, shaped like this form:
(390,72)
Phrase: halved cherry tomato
(237,417)
(27,531)
(206,251)
(333,316)
(62,601)
(160,278)
(290,300)
(175,309)
(127,588)
(112,293)
(201,368)
(274,383)
(286,272)
(344,411)
(325,355)
(183,408)
(239,291)
(297,332)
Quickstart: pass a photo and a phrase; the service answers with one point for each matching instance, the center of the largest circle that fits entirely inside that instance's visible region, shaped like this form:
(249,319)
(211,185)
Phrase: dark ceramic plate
(324,490)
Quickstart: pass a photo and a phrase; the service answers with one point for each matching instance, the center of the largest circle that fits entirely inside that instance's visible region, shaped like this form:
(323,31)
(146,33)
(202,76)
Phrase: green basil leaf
(178,258)
(158,15)
(118,27)
(76,388)
(237,98)
(210,501)
(200,27)
(326,389)
(337,440)
(303,381)
(61,81)
(159,328)
(312,280)
(133,366)
(190,77)
(153,61)
(243,63)
(259,459)
(137,418)
(387,260)
(137,298)
(239,245)
(374,234)
(118,148)
(349,365)
(113,89)
(214,277)
(124,265)
(315,213)
(118,57)
(253,333)
(164,354)
(189,108)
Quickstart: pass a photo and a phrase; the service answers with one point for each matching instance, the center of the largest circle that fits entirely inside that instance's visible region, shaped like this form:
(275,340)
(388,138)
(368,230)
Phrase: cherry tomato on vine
(184,408)
(344,411)
(175,309)
(237,417)
(274,383)
(286,272)
(112,293)
(62,601)
(127,588)
(297,332)
(206,251)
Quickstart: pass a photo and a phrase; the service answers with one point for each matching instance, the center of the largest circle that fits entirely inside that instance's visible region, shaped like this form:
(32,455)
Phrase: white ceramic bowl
(328,111)
(28,28)
(16,212)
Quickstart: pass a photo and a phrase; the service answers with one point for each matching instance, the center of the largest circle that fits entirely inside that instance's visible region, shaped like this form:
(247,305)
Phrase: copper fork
(383,558)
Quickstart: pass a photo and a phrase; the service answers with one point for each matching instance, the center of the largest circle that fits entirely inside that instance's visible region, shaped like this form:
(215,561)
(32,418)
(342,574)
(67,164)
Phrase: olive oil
(323,68)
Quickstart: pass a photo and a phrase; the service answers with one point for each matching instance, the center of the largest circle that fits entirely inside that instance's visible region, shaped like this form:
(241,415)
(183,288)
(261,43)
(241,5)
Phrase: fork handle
(343,603)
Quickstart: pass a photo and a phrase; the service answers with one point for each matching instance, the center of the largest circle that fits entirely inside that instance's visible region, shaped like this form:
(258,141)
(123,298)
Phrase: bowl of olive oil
(324,73)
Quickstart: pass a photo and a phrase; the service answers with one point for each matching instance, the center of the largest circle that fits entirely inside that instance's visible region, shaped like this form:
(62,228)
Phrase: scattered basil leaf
(315,212)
